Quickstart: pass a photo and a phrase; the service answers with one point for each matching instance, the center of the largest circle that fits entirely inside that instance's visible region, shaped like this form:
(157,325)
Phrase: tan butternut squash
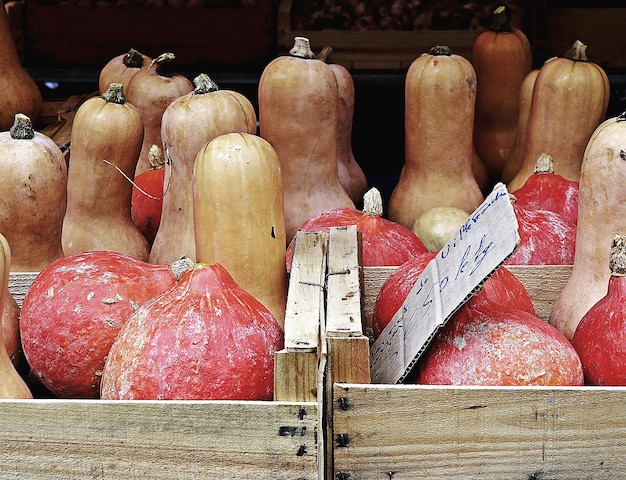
(570,99)
(351,175)
(298,108)
(601,213)
(501,56)
(12,385)
(514,160)
(440,92)
(189,123)
(239,218)
(105,144)
(18,91)
(11,335)
(33,195)
(121,68)
(151,90)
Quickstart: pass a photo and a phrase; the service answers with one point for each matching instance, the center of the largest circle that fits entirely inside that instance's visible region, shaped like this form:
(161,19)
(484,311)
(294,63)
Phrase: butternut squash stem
(325,55)
(133,59)
(115,94)
(301,48)
(204,84)
(22,128)
(500,21)
(578,52)
(163,64)
(440,50)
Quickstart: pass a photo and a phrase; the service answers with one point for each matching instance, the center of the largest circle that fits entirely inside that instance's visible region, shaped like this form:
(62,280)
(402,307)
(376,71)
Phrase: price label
(487,238)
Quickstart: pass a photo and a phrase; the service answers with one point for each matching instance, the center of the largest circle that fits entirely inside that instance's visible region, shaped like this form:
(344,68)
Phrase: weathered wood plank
(55,439)
(19,283)
(296,365)
(459,433)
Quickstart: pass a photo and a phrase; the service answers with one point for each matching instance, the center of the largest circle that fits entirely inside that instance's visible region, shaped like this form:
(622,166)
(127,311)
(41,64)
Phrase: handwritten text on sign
(488,237)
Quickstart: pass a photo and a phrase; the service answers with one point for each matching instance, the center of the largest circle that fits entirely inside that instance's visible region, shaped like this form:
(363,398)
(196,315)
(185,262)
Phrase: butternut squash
(33,195)
(105,143)
(513,162)
(601,213)
(351,176)
(122,68)
(189,123)
(151,90)
(237,177)
(11,335)
(18,91)
(12,385)
(501,56)
(298,108)
(440,92)
(570,99)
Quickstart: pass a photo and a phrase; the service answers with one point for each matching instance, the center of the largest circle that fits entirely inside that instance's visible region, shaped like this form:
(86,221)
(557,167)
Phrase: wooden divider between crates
(347,346)
(320,327)
(296,365)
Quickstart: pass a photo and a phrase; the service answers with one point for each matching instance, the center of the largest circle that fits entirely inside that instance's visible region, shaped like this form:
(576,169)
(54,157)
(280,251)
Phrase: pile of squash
(163,243)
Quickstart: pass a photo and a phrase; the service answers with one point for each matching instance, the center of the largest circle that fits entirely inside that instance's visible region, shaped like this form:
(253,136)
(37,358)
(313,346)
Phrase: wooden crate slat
(56,439)
(348,348)
(343,283)
(296,366)
(305,296)
(456,433)
(19,283)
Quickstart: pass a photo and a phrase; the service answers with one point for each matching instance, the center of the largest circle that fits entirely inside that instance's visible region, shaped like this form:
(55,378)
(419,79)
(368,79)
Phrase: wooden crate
(381,431)
(51,438)
(375,49)
(88,34)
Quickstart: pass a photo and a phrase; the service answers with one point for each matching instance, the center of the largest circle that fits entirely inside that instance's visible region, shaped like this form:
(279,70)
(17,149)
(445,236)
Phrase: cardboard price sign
(483,243)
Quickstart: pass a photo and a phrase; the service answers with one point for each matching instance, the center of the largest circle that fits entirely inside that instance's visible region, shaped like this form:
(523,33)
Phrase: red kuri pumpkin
(74,310)
(488,344)
(502,287)
(548,190)
(204,339)
(383,242)
(600,337)
(147,198)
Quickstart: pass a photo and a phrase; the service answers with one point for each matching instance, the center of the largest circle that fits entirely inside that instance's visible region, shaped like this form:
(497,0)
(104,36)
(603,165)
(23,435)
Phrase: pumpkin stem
(115,94)
(617,261)
(577,52)
(204,84)
(544,164)
(440,50)
(163,64)
(133,59)
(500,22)
(301,48)
(373,203)
(180,266)
(156,157)
(22,128)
